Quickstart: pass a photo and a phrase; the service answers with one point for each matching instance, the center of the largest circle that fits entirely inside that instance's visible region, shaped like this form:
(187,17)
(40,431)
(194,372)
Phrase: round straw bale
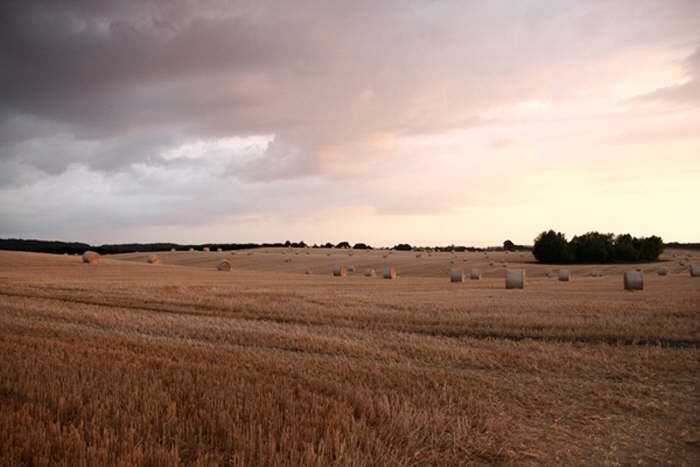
(206,248)
(418,255)
(309,271)
(597,273)
(634,280)
(475,275)
(153,259)
(351,268)
(191,249)
(223,265)
(456,275)
(370,273)
(389,273)
(90,257)
(549,274)
(172,250)
(515,279)
(694,270)
(491,263)
(662,271)
(564,275)
(219,250)
(339,270)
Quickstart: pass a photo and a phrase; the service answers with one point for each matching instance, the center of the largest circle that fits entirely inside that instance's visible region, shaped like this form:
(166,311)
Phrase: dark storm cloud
(319,74)
(687,93)
(95,97)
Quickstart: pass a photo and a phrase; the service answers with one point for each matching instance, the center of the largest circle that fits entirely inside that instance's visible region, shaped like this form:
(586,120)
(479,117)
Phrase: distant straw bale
(223,265)
(153,259)
(515,279)
(370,273)
(662,271)
(91,257)
(456,275)
(389,273)
(339,270)
(634,280)
(206,248)
(475,274)
(694,270)
(564,275)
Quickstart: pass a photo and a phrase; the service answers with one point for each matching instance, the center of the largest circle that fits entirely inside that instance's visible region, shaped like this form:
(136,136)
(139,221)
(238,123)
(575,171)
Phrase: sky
(422,122)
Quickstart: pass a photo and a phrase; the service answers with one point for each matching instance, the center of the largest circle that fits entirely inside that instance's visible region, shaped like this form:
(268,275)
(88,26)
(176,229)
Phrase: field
(124,362)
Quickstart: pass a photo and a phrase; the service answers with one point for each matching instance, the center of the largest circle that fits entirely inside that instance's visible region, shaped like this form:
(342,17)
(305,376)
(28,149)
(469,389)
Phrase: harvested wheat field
(121,363)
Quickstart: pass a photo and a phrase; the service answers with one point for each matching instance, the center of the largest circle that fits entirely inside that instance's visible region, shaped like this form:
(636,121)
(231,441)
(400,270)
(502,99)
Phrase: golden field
(125,363)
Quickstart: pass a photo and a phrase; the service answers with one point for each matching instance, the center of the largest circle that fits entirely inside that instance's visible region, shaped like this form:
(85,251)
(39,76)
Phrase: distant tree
(625,248)
(287,243)
(508,245)
(403,247)
(593,247)
(361,246)
(650,248)
(343,245)
(328,245)
(552,247)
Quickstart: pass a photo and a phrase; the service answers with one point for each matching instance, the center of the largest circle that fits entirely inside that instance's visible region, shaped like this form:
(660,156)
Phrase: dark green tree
(625,248)
(343,245)
(508,245)
(552,247)
(593,247)
(650,248)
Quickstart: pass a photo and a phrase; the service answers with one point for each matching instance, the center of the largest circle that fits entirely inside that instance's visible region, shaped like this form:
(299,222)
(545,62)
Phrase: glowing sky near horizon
(431,123)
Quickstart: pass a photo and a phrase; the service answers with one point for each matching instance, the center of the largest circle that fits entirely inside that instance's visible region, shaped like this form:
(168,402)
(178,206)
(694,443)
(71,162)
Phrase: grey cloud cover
(110,86)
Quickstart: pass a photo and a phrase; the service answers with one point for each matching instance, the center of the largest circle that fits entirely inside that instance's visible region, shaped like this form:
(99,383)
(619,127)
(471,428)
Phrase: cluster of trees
(510,246)
(595,247)
(45,246)
(449,248)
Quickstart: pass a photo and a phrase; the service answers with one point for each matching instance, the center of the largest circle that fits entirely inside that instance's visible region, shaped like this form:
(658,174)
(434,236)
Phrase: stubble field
(129,363)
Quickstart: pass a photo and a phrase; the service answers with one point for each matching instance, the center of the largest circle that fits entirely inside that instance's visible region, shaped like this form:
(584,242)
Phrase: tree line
(595,247)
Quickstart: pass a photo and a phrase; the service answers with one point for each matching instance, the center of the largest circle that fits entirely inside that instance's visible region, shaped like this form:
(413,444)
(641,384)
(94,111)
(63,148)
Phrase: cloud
(687,93)
(377,105)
